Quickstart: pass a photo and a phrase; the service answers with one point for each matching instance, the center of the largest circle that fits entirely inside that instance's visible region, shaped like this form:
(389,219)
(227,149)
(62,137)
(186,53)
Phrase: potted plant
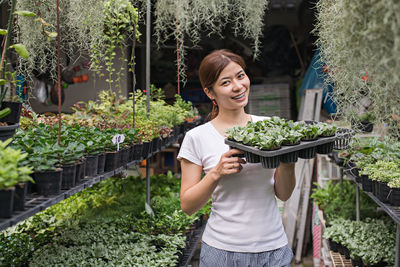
(364,122)
(11,174)
(10,111)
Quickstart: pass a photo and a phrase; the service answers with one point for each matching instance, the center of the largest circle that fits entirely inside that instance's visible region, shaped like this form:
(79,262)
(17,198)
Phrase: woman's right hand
(229,164)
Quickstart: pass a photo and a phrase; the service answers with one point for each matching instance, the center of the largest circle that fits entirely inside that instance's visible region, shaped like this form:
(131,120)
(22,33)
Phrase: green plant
(310,132)
(325,129)
(12,171)
(19,48)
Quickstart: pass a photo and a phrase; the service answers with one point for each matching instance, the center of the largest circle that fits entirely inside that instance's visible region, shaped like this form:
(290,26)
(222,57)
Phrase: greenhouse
(211,133)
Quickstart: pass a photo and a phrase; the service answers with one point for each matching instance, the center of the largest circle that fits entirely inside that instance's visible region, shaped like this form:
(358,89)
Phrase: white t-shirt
(244,215)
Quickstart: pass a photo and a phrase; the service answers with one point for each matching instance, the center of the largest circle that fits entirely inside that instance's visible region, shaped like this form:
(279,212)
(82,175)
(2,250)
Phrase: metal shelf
(35,203)
(191,248)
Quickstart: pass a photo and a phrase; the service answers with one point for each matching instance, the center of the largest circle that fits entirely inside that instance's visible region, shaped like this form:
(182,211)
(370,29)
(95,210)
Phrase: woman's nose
(236,84)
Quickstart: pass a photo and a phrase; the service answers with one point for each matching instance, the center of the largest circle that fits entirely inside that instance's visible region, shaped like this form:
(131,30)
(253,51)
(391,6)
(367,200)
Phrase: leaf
(21,50)
(51,34)
(148,209)
(3,32)
(25,13)
(2,82)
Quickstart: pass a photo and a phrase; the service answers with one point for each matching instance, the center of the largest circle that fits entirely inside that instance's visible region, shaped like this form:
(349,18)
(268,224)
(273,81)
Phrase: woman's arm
(285,180)
(195,192)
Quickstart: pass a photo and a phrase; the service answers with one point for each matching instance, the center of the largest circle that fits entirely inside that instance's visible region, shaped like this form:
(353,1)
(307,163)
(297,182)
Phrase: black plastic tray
(284,149)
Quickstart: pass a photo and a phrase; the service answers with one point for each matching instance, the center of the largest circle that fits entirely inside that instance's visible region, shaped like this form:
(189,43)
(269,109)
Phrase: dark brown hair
(211,67)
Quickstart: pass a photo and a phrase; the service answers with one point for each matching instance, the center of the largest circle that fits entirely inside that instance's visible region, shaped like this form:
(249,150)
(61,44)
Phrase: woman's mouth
(239,97)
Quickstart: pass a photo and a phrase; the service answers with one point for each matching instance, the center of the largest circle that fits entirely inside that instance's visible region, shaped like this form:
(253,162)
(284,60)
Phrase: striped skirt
(213,257)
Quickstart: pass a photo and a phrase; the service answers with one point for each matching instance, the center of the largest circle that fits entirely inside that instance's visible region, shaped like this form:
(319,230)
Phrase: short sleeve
(188,150)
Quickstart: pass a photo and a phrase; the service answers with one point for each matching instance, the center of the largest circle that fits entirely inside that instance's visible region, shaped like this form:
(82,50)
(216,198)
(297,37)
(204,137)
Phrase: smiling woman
(243,195)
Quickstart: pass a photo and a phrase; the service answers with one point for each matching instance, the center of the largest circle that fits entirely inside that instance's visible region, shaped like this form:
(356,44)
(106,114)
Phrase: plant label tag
(117,139)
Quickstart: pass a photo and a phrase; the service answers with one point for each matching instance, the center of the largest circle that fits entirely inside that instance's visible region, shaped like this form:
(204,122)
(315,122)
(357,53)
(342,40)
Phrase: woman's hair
(211,67)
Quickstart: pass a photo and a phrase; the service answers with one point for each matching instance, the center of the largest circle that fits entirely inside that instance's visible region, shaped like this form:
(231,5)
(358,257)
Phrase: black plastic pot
(111,161)
(339,161)
(357,263)
(291,157)
(92,163)
(384,190)
(21,190)
(251,158)
(123,157)
(137,151)
(375,188)
(80,172)
(363,126)
(48,182)
(307,153)
(325,148)
(68,176)
(15,114)
(270,162)
(395,197)
(7,132)
(366,183)
(101,162)
(346,252)
(6,202)
(333,245)
(146,149)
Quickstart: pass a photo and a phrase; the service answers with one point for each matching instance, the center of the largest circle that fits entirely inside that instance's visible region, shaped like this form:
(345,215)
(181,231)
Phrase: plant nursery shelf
(35,203)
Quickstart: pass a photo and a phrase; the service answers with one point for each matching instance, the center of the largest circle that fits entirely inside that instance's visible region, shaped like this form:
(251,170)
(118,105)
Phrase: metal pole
(397,258)
(148,37)
(357,202)
(59,71)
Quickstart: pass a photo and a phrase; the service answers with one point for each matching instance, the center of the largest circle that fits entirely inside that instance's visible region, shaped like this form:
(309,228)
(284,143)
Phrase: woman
(245,227)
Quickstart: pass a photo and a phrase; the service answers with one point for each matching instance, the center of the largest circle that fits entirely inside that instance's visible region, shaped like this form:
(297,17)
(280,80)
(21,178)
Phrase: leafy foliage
(104,225)
(371,240)
(338,201)
(12,171)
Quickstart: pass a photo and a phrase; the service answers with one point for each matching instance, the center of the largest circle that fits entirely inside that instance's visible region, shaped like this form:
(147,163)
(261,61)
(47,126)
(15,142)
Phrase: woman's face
(231,90)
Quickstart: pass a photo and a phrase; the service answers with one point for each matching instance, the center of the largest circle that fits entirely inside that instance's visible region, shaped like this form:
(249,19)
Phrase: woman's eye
(225,83)
(240,76)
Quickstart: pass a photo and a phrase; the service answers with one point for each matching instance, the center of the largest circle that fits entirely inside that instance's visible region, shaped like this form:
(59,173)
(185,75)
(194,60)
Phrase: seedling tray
(303,146)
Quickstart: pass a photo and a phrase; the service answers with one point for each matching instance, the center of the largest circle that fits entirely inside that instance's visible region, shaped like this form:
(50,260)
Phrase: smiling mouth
(239,96)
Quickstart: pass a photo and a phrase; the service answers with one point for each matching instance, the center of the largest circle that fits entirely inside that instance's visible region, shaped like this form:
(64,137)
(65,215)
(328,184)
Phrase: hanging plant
(97,28)
(360,44)
(177,19)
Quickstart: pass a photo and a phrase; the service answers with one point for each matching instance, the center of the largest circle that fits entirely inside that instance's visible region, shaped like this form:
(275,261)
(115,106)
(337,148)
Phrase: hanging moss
(360,44)
(180,19)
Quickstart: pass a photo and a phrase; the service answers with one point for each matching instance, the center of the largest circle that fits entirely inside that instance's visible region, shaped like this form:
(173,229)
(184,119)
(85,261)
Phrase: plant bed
(6,202)
(48,182)
(21,189)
